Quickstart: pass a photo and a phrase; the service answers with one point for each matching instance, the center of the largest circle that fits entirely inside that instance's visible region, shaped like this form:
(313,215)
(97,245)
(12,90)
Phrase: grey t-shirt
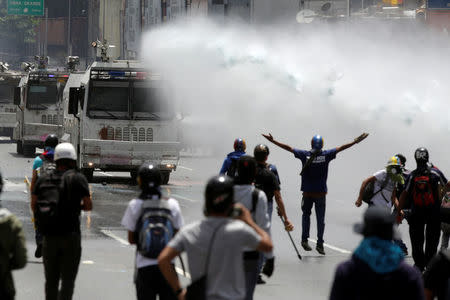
(225,279)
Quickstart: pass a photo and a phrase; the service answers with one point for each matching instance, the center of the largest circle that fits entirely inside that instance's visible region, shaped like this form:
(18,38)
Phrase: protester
(146,212)
(58,197)
(229,166)
(377,269)
(437,277)
(214,245)
(41,162)
(314,183)
(13,251)
(255,201)
(422,195)
(268,181)
(445,226)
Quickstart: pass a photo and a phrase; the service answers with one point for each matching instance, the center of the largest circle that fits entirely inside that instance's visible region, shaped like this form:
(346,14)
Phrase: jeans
(251,268)
(151,282)
(424,229)
(319,205)
(61,255)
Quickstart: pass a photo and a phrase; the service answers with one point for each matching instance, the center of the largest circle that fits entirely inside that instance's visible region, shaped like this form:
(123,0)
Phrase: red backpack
(422,193)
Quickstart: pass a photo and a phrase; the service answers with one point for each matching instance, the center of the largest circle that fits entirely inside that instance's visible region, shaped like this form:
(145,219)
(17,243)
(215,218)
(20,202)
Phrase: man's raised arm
(270,138)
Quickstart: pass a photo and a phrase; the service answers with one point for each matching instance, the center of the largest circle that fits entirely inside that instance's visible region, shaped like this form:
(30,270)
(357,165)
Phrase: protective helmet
(421,155)
(149,176)
(317,142)
(219,194)
(261,152)
(394,165)
(239,144)
(402,159)
(51,141)
(65,151)
(394,161)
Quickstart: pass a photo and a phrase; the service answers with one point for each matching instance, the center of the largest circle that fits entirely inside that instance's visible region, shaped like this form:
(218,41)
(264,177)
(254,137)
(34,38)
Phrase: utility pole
(46,31)
(69,37)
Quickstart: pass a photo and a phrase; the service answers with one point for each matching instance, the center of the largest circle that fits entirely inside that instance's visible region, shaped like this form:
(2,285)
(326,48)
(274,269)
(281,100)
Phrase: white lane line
(113,236)
(332,247)
(182,198)
(106,174)
(123,242)
(186,168)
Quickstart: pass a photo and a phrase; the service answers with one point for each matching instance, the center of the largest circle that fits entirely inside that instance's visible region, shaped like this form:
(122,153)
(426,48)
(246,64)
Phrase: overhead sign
(26,7)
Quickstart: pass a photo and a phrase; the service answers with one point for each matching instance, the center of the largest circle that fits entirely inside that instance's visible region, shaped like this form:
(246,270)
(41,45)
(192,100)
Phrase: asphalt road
(106,270)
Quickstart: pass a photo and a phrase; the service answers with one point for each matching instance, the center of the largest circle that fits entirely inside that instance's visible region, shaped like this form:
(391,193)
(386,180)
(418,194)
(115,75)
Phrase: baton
(289,234)
(182,265)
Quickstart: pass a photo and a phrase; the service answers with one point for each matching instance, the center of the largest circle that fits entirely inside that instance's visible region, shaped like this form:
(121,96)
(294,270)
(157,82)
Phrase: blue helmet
(317,142)
(239,144)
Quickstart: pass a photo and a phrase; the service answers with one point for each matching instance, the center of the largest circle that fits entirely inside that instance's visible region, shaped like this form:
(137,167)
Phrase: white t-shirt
(383,198)
(131,217)
(225,274)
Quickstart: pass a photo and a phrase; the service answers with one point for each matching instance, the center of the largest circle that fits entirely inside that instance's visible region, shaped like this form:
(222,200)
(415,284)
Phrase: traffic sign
(26,7)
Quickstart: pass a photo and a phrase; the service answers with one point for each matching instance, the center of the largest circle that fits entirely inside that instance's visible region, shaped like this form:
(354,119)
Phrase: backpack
(369,192)
(422,192)
(155,228)
(47,165)
(232,170)
(48,210)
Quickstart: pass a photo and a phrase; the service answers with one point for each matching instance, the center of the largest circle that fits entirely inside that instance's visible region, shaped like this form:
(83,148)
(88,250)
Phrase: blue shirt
(314,179)
(37,163)
(235,155)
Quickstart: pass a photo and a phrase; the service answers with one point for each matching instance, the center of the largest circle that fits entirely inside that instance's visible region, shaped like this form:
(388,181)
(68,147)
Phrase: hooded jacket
(13,253)
(377,270)
(235,155)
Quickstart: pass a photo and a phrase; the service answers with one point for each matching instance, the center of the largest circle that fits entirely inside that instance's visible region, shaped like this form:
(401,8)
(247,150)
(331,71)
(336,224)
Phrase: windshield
(6,93)
(40,96)
(111,100)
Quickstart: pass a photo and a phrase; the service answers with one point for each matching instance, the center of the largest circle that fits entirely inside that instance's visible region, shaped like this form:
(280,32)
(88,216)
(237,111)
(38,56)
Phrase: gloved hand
(269,266)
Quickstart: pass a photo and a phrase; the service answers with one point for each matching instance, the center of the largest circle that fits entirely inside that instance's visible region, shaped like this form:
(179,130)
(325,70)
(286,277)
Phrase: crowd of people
(235,234)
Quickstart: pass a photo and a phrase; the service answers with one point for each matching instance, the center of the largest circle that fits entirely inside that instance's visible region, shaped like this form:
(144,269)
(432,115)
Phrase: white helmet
(65,151)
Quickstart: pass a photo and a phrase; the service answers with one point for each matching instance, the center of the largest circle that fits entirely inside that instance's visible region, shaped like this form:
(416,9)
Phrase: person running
(58,198)
(314,182)
(267,180)
(13,251)
(229,166)
(422,195)
(215,244)
(445,226)
(149,280)
(377,269)
(45,160)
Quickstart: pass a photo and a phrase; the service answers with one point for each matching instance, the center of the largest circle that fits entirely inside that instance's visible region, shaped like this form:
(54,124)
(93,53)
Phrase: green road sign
(26,7)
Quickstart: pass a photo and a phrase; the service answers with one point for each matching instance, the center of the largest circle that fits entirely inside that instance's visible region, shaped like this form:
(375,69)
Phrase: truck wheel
(165,177)
(29,151)
(19,147)
(88,173)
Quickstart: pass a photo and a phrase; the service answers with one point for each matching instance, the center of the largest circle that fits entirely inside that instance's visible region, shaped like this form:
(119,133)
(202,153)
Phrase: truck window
(39,96)
(6,93)
(150,103)
(108,101)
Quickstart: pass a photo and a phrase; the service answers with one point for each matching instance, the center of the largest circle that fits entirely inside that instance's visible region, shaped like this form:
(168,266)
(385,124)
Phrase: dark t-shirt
(437,275)
(74,188)
(267,181)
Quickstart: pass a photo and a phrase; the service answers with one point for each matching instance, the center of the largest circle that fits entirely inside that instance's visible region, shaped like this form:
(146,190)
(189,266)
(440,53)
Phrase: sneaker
(38,252)
(320,249)
(306,246)
(260,280)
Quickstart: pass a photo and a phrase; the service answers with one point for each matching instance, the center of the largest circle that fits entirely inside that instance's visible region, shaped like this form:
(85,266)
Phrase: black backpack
(369,192)
(49,214)
(154,228)
(47,166)
(232,170)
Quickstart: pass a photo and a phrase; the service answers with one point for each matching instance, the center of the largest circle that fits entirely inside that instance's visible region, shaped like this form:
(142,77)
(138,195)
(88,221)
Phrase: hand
(288,225)
(361,137)
(358,202)
(182,295)
(246,215)
(268,136)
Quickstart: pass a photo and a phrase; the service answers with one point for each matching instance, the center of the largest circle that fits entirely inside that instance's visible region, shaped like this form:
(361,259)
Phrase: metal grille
(141,134)
(110,133)
(118,134)
(149,135)
(44,119)
(126,134)
(134,134)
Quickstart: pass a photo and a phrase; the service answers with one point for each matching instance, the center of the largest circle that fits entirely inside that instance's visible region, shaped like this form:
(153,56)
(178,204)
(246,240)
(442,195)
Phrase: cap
(379,222)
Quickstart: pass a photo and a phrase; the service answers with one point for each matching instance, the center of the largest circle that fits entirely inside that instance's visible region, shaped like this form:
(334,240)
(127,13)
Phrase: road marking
(123,242)
(332,247)
(106,174)
(186,168)
(183,198)
(113,236)
(87,262)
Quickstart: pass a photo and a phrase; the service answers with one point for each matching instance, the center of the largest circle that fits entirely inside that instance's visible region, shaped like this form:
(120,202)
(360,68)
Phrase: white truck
(8,81)
(118,115)
(38,98)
